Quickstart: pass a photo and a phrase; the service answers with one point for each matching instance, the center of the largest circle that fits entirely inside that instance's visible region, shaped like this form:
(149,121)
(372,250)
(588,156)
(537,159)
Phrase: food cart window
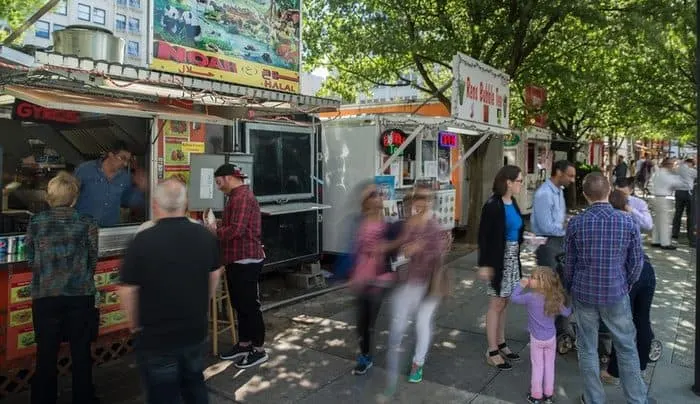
(530,158)
(429,157)
(85,147)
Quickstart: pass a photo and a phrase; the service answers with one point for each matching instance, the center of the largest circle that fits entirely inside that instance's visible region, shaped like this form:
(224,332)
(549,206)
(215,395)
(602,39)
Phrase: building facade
(127,19)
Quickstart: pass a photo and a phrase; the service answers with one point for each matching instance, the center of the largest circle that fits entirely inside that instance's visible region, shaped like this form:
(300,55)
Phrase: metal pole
(696,386)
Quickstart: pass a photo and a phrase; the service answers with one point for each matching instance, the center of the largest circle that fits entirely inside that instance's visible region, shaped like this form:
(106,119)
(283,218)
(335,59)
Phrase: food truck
(67,110)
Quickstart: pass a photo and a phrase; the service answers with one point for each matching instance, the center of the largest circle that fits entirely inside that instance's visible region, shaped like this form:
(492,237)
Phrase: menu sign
(480,93)
(26,111)
(180,140)
(20,327)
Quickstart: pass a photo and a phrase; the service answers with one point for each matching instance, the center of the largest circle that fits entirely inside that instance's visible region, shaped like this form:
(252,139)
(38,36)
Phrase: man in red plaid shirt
(239,237)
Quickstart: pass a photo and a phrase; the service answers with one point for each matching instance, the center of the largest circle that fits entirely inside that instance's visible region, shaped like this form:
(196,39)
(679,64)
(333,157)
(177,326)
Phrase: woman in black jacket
(500,236)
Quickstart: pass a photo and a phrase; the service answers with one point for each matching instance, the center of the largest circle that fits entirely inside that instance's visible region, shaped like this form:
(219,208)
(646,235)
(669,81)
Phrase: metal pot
(89,42)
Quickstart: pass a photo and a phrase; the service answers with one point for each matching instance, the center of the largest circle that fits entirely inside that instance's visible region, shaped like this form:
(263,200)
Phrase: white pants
(408,301)
(661,233)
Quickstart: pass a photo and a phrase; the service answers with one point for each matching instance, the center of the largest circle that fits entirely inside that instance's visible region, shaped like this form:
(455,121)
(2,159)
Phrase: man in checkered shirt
(604,259)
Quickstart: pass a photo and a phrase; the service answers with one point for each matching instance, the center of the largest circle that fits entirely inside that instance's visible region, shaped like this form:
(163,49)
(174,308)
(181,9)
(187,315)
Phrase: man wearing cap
(239,238)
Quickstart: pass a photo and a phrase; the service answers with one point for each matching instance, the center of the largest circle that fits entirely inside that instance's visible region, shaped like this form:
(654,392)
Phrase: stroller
(566,332)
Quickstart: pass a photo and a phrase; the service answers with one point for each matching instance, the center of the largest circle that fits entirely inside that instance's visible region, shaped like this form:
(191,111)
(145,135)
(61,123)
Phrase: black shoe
(655,245)
(668,247)
(236,353)
(548,400)
(674,237)
(583,401)
(253,358)
(533,400)
(512,356)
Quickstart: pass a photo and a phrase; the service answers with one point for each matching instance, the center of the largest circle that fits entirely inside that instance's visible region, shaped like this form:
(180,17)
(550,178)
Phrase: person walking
(240,239)
(500,235)
(548,218)
(620,170)
(369,279)
(165,294)
(685,201)
(664,182)
(604,259)
(641,296)
(545,301)
(424,247)
(61,249)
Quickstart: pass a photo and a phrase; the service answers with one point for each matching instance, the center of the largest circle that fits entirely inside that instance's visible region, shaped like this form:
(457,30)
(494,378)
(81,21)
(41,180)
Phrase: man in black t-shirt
(169,273)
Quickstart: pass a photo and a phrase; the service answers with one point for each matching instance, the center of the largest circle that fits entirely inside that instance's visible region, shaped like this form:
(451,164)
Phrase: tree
(378,42)
(15,12)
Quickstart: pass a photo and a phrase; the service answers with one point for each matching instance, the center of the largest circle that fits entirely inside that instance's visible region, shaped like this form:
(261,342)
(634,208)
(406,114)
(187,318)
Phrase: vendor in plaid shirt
(603,260)
(239,237)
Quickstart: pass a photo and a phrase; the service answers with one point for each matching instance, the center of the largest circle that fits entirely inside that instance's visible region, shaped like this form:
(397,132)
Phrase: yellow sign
(178,59)
(193,147)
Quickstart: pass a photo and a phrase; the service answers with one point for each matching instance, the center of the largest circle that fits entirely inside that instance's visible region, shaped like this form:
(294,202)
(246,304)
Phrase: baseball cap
(230,169)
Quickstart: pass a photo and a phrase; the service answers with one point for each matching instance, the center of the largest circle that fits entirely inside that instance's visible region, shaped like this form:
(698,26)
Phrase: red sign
(447,140)
(25,111)
(391,139)
(535,100)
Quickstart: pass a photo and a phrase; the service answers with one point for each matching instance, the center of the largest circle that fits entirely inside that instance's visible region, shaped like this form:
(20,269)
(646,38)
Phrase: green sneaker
(416,375)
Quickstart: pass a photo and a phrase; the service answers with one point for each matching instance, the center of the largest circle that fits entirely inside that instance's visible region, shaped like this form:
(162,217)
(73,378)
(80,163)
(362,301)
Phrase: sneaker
(416,375)
(364,362)
(238,352)
(583,401)
(253,358)
(533,400)
(548,400)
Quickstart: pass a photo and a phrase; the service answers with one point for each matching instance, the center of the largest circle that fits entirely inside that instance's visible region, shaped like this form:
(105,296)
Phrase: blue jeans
(174,376)
(618,318)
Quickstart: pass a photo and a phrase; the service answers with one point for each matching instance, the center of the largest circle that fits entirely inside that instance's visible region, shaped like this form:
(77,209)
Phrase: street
(312,355)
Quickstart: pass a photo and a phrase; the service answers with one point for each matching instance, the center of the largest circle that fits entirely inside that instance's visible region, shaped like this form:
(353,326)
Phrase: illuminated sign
(447,139)
(25,111)
(391,139)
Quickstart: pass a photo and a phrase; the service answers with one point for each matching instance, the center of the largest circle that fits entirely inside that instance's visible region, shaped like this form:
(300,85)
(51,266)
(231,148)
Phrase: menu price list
(20,330)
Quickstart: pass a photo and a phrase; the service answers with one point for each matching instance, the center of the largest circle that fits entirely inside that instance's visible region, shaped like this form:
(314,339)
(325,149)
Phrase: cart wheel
(604,359)
(563,344)
(656,349)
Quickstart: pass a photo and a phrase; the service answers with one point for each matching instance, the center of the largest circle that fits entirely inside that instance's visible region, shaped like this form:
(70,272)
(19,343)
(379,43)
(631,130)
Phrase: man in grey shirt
(685,200)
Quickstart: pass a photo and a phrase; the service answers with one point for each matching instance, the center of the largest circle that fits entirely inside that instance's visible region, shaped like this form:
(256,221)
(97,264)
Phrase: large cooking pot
(89,42)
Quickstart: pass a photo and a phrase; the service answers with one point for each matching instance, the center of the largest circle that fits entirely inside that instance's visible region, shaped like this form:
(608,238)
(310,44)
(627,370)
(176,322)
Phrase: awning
(99,104)
(273,210)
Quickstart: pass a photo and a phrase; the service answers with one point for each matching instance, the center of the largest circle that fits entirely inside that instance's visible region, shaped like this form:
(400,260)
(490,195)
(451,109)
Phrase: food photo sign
(254,43)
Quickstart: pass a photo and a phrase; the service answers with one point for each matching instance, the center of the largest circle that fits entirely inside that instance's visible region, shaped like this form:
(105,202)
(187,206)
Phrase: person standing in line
(685,201)
(62,250)
(240,239)
(604,259)
(369,278)
(548,217)
(620,170)
(637,207)
(643,172)
(424,247)
(165,294)
(665,181)
(545,301)
(500,235)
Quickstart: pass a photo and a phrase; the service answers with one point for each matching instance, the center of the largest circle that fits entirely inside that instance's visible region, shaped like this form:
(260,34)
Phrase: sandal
(507,353)
(494,359)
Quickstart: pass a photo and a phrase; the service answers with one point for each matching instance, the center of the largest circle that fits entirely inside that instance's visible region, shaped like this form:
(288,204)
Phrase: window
(57,27)
(134,25)
(120,22)
(98,16)
(41,29)
(83,12)
(135,3)
(121,3)
(61,8)
(132,49)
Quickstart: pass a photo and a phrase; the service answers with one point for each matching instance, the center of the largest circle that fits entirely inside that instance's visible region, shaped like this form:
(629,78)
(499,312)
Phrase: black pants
(641,296)
(368,305)
(245,299)
(684,202)
(57,318)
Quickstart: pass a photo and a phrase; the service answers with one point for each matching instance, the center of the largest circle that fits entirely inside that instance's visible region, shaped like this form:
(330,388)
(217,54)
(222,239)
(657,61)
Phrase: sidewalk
(310,361)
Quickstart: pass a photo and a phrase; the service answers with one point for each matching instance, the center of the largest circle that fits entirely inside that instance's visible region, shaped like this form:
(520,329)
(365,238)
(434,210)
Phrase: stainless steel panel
(89,42)
(201,166)
(287,208)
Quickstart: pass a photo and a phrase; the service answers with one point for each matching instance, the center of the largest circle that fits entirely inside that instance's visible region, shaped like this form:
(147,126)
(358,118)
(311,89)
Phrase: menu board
(20,328)
(180,140)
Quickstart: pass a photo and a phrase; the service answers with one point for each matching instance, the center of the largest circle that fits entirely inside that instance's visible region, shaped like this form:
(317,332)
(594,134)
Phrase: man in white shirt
(664,182)
(685,200)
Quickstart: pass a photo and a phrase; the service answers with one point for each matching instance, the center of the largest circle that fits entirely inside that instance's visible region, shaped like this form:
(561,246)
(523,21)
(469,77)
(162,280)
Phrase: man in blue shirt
(604,260)
(548,217)
(106,185)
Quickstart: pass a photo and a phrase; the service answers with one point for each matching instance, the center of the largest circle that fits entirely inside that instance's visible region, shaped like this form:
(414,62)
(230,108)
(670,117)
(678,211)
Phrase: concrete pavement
(311,357)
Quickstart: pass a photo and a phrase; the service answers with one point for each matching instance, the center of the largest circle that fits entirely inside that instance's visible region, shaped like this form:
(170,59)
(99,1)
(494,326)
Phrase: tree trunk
(475,167)
(572,194)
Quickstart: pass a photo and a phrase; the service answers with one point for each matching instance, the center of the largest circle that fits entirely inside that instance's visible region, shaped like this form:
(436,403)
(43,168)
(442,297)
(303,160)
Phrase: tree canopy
(15,12)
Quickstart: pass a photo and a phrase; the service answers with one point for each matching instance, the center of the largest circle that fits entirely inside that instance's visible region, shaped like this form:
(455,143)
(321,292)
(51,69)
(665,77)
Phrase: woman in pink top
(369,279)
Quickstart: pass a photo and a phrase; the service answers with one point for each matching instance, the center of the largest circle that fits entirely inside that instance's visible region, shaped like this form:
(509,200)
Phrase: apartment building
(127,19)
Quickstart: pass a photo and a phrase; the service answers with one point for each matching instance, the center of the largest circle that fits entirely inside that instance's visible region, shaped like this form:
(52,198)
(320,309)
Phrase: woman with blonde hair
(61,246)
(545,301)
